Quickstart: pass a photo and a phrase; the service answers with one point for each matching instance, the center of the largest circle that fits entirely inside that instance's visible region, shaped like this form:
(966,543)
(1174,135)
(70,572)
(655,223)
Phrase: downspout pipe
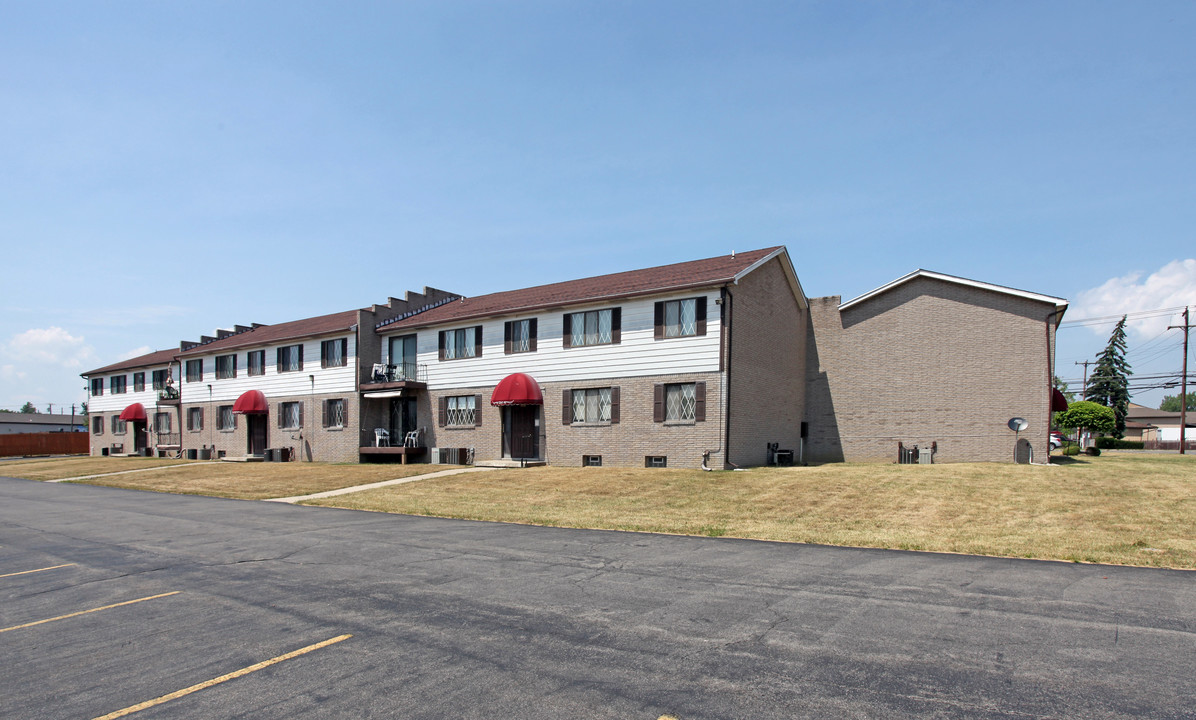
(727,316)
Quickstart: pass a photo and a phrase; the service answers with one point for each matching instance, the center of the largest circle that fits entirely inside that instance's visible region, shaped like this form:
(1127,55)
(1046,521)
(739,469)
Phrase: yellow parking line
(223,678)
(84,612)
(26,572)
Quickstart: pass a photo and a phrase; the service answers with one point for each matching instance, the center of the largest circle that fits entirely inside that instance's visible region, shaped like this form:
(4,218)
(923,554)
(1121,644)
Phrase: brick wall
(766,366)
(311,442)
(928,361)
(622,444)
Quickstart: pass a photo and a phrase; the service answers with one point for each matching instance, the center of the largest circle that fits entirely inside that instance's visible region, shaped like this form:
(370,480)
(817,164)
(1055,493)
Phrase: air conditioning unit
(435,456)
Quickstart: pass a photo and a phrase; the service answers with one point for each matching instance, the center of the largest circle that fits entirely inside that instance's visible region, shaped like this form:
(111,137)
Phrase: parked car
(1056,439)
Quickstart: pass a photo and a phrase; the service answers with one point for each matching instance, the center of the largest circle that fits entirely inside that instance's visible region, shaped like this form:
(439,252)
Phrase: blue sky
(171,168)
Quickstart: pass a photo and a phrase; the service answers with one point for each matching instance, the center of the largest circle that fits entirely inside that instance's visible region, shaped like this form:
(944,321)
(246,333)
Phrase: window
(195,370)
(591,461)
(656,461)
(680,318)
(594,327)
(462,343)
(460,411)
(195,419)
(97,386)
(117,384)
(159,378)
(334,353)
(225,420)
(255,362)
(290,358)
(519,336)
(119,426)
(591,406)
(290,415)
(334,413)
(138,382)
(162,422)
(679,402)
(97,425)
(226,367)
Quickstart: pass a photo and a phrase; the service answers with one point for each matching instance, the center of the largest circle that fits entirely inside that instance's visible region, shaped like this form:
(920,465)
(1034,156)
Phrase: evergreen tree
(28,408)
(1109,383)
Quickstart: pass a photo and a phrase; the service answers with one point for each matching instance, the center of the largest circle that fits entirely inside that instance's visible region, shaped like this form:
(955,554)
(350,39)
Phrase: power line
(1138,315)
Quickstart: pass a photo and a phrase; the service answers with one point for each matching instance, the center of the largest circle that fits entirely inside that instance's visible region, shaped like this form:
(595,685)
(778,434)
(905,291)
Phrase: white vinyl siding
(148,396)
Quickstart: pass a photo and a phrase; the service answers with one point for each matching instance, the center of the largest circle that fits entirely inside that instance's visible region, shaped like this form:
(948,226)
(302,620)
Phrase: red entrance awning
(252,402)
(136,411)
(517,389)
(1058,402)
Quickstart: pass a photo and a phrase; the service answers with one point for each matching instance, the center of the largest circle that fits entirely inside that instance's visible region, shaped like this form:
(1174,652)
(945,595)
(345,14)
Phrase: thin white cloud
(135,352)
(10,372)
(48,345)
(1173,285)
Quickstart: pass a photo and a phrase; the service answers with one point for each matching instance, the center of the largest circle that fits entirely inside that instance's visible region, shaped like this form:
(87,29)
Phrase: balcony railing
(168,439)
(168,394)
(402,372)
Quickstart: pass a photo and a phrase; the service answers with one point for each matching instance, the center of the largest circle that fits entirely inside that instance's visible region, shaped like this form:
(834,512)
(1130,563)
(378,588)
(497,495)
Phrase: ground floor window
(97,425)
(195,419)
(118,426)
(593,405)
(290,415)
(162,422)
(460,410)
(225,420)
(591,461)
(679,402)
(656,461)
(334,413)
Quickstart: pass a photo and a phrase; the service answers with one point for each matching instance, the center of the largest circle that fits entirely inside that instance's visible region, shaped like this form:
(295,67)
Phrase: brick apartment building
(721,361)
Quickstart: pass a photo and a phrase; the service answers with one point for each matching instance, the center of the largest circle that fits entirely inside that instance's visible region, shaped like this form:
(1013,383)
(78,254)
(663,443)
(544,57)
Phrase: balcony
(395,377)
(168,439)
(168,395)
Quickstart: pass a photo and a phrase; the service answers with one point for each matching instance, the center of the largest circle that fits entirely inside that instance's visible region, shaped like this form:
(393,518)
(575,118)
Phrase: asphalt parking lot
(120,603)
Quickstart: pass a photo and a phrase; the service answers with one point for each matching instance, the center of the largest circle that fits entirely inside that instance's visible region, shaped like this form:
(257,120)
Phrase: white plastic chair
(381,437)
(411,439)
(379,372)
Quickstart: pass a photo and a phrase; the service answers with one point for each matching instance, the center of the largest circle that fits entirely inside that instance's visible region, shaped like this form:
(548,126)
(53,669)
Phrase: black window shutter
(325,418)
(201,418)
(658,403)
(477,341)
(531,332)
(616,325)
(567,330)
(658,321)
(301,411)
(278,360)
(506,337)
(443,414)
(614,405)
(442,334)
(700,402)
(566,407)
(281,422)
(700,312)
(477,409)
(300,350)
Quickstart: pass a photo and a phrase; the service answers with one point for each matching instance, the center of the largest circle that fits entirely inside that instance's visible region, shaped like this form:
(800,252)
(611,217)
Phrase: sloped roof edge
(790,274)
(1059,303)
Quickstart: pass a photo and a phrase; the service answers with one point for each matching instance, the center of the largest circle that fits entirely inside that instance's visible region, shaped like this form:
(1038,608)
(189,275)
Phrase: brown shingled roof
(271,334)
(648,281)
(158,357)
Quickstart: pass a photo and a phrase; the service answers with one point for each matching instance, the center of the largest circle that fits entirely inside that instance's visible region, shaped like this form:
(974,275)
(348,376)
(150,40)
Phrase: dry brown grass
(1118,508)
(245,481)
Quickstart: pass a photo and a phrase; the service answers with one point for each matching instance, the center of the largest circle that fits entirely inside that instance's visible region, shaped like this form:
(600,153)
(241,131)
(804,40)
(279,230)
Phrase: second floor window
(195,370)
(159,378)
(462,343)
(226,366)
(519,336)
(334,353)
(290,358)
(255,362)
(680,318)
(97,387)
(593,327)
(138,382)
(117,384)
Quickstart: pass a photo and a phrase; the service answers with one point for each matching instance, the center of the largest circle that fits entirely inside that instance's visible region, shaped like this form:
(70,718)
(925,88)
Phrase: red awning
(136,411)
(252,402)
(1058,402)
(517,389)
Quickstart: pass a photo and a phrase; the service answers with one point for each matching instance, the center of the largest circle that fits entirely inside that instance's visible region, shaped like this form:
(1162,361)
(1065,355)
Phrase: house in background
(17,422)
(721,362)
(1156,427)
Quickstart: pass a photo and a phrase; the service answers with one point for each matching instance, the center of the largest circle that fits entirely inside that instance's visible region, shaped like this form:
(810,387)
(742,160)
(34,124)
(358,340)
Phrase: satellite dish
(1018,424)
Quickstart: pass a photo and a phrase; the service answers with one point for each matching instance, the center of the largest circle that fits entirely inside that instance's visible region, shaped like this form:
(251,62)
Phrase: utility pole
(1183,393)
(1086,363)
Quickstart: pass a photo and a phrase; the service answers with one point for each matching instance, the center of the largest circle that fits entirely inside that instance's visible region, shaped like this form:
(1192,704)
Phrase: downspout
(728,302)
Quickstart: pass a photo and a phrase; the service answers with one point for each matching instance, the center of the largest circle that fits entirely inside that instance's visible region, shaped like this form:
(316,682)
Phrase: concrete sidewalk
(373,486)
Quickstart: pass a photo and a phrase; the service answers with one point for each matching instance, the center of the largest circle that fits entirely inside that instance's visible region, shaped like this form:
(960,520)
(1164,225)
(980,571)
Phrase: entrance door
(402,419)
(139,436)
(521,432)
(256,425)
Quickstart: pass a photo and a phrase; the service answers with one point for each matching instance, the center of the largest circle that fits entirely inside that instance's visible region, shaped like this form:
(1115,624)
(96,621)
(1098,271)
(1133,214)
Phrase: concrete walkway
(126,472)
(372,486)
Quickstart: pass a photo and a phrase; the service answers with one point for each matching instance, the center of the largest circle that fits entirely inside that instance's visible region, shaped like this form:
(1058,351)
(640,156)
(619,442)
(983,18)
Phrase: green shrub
(1071,450)
(1093,451)
(1106,443)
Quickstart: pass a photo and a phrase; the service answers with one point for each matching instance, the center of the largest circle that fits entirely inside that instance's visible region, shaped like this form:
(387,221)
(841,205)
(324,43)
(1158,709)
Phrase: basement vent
(452,456)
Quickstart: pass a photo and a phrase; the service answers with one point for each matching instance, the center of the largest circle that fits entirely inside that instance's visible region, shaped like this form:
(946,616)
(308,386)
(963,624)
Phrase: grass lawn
(1118,508)
(244,481)
(1125,508)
